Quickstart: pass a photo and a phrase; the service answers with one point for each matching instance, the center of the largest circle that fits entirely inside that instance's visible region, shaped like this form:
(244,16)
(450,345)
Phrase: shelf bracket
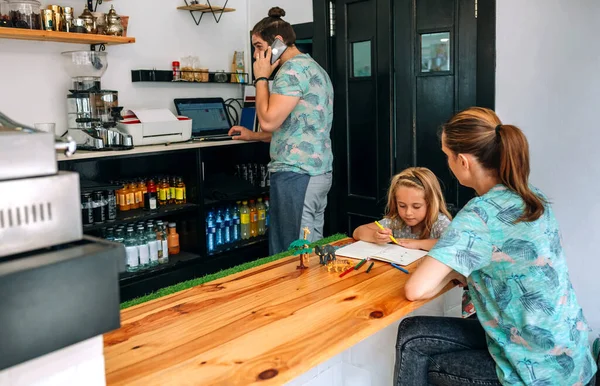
(101,47)
(214,13)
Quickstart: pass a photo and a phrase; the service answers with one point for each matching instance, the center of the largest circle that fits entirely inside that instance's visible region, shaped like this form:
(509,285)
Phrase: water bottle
(245,220)
(219,226)
(210,232)
(152,245)
(119,236)
(133,261)
(227,226)
(235,223)
(143,250)
(110,234)
(267,207)
(164,242)
(260,208)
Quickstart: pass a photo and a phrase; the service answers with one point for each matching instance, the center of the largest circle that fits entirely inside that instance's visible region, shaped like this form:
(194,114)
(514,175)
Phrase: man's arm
(249,135)
(272,109)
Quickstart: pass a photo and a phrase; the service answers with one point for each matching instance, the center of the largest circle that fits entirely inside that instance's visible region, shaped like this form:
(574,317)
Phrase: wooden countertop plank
(267,324)
(223,308)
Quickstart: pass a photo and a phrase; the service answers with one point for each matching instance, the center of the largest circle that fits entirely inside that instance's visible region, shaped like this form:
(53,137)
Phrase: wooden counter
(265,325)
(91,154)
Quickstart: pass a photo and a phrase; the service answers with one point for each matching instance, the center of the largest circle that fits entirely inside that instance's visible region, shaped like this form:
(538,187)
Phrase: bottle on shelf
(139,194)
(126,201)
(133,188)
(235,222)
(144,192)
(267,219)
(119,235)
(210,232)
(227,227)
(144,250)
(219,226)
(173,239)
(260,208)
(245,220)
(253,219)
(110,234)
(163,192)
(172,183)
(151,196)
(152,244)
(179,189)
(162,229)
(120,195)
(131,248)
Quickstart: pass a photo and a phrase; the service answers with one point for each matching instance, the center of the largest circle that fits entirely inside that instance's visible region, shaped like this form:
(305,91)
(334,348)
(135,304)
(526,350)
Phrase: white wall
(296,12)
(34,85)
(547,82)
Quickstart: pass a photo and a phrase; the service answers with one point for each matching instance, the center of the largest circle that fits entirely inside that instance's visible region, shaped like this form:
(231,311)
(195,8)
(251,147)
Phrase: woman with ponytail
(506,245)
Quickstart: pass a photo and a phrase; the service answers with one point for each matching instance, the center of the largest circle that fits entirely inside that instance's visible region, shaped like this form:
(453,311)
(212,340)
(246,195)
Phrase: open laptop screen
(208,117)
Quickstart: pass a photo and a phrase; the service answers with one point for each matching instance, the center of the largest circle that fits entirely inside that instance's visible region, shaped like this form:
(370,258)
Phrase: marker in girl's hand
(382,228)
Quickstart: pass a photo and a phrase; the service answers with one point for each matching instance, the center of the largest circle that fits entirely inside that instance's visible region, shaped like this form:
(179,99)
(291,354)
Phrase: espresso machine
(92,112)
(58,286)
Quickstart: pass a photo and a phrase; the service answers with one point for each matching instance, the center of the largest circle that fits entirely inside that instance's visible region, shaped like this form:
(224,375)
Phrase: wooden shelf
(62,37)
(205,8)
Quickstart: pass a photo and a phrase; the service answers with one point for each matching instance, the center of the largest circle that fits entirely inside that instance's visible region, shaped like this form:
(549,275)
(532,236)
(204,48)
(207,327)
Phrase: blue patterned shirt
(520,286)
(302,144)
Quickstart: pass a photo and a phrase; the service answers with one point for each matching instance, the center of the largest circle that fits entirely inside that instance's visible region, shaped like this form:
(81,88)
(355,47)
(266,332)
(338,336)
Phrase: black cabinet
(209,175)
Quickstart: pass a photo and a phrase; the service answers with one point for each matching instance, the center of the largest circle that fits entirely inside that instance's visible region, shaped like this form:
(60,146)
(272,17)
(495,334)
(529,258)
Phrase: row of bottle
(150,193)
(147,245)
(257,175)
(238,222)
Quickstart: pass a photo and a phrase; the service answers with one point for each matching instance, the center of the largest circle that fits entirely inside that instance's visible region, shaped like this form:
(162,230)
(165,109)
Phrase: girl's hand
(382,236)
(410,243)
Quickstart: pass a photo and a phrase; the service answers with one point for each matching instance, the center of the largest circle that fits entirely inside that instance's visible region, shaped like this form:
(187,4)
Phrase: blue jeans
(443,352)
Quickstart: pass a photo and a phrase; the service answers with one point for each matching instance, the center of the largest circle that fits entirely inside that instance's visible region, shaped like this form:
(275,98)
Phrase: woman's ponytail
(514,169)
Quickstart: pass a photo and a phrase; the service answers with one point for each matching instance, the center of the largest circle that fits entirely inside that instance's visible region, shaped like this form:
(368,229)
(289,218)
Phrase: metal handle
(68,145)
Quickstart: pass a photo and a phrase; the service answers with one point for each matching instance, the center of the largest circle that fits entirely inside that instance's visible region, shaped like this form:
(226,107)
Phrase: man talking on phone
(295,117)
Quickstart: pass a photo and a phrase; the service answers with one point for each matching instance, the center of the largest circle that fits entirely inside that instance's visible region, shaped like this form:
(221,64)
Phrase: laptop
(210,121)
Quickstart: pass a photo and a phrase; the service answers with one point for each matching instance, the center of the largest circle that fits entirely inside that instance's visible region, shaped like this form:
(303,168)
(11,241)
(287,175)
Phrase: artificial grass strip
(218,275)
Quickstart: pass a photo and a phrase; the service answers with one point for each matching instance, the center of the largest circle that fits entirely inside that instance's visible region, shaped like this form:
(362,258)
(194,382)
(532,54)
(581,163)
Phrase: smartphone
(277,49)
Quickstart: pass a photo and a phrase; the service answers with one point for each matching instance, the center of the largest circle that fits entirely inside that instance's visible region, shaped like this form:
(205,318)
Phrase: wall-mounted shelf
(206,8)
(62,37)
(167,76)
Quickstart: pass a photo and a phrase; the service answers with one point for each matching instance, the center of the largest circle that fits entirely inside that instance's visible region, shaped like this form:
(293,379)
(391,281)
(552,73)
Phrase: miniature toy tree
(300,247)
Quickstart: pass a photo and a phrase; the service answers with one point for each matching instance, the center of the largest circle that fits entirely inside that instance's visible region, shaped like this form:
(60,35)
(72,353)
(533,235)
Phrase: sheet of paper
(390,252)
(154,115)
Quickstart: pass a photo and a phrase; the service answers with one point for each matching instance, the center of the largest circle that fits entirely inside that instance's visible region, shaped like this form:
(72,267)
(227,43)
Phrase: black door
(436,76)
(362,132)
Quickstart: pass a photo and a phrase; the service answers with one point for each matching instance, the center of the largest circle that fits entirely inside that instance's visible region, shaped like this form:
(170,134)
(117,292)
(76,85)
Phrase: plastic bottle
(173,239)
(133,261)
(235,223)
(253,219)
(245,221)
(152,244)
(267,218)
(219,226)
(227,227)
(210,232)
(143,249)
(260,208)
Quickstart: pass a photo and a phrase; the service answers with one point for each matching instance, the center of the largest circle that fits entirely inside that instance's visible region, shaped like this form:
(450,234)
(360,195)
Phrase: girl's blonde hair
(425,180)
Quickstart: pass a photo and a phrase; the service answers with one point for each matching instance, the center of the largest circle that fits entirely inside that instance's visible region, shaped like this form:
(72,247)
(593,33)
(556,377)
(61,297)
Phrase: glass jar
(4,19)
(25,14)
(221,77)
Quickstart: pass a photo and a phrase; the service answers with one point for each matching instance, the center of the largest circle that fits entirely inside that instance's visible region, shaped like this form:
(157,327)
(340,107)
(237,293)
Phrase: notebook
(390,253)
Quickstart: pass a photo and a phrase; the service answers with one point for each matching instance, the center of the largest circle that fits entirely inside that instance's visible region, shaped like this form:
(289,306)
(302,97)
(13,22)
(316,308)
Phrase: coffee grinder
(93,113)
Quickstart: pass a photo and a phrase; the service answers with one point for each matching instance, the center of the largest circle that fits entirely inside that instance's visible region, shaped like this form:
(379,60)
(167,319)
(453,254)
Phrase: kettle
(113,23)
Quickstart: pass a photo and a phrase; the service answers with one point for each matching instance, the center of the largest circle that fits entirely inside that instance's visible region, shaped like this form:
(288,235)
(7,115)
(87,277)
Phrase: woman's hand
(262,65)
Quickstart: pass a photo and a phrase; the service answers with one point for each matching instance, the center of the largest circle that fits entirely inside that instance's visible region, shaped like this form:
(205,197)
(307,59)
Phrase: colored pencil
(400,268)
(382,228)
